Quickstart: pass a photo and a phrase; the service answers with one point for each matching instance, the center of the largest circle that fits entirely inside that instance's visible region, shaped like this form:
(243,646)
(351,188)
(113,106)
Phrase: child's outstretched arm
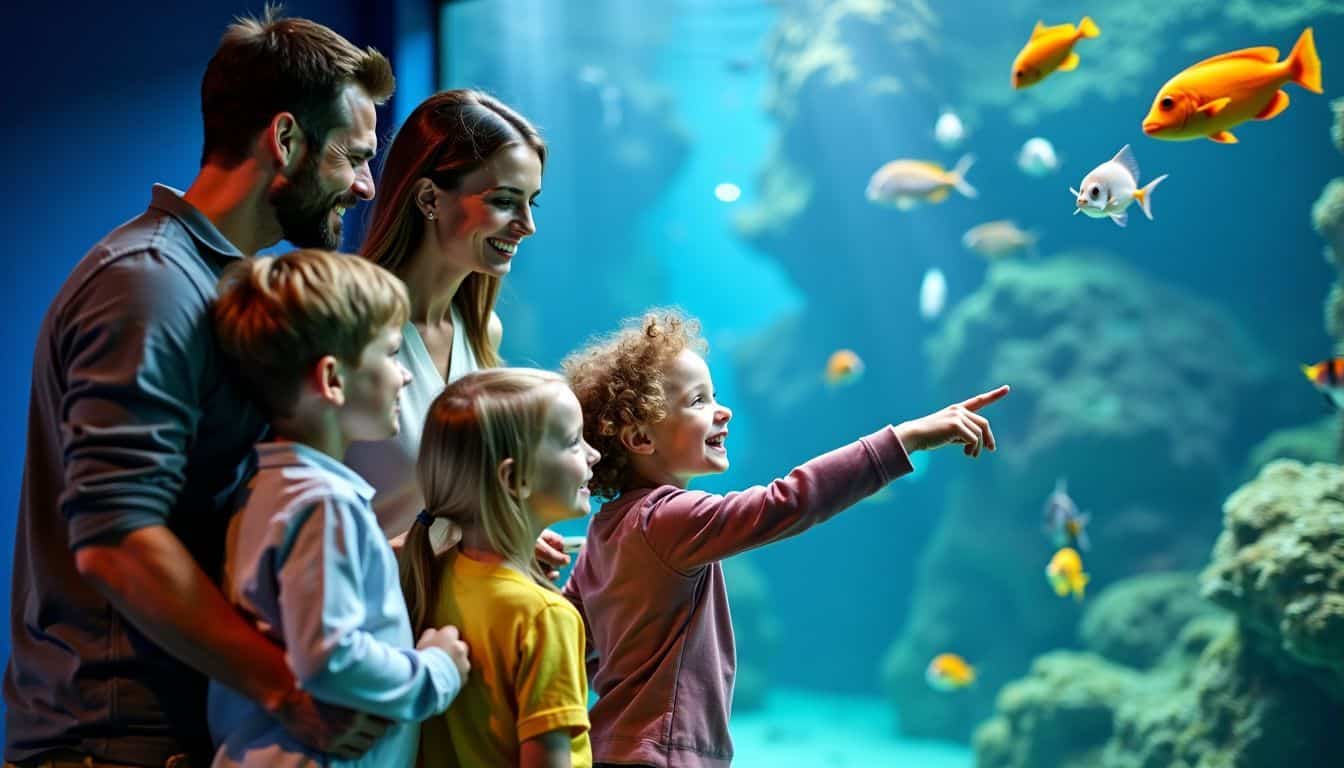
(690,529)
(323,589)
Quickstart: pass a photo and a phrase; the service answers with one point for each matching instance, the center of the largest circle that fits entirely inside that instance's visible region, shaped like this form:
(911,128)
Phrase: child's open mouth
(716,442)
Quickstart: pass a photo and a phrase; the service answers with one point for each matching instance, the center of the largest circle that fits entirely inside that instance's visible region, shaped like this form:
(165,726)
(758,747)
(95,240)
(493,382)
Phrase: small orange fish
(1328,378)
(1049,49)
(1065,573)
(843,367)
(949,672)
(1208,98)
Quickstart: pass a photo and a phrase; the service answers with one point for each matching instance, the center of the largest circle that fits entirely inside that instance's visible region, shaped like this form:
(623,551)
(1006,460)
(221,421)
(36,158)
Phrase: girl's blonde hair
(475,424)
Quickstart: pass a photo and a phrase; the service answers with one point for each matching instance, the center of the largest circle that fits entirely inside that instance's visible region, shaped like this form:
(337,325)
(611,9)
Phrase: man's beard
(305,213)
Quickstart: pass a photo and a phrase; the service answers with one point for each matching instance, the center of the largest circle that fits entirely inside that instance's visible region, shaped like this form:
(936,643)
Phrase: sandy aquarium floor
(820,730)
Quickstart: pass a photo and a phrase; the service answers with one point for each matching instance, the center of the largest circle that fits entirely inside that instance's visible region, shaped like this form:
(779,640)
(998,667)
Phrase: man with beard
(137,432)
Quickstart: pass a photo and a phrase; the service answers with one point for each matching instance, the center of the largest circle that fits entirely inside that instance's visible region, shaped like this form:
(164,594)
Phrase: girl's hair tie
(424,518)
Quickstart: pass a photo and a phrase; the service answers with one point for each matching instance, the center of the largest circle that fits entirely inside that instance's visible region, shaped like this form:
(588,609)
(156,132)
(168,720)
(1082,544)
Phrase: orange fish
(1065,573)
(1328,378)
(1050,48)
(1216,94)
(949,672)
(843,367)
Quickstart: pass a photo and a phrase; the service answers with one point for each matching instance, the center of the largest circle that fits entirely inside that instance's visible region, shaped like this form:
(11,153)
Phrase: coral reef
(1262,690)
(1060,714)
(1327,218)
(1308,444)
(1098,355)
(1233,708)
(1279,566)
(1135,622)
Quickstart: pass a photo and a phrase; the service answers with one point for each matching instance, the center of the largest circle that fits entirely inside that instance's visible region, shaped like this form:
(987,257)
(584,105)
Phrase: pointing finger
(985,398)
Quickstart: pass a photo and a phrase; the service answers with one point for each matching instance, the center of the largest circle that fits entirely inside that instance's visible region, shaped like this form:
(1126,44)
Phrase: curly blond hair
(618,380)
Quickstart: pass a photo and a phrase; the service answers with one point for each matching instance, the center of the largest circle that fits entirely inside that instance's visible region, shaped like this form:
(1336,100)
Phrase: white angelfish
(949,131)
(1110,188)
(1037,157)
(932,294)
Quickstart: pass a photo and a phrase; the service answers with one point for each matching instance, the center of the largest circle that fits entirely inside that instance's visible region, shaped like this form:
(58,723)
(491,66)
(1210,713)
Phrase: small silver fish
(994,239)
(1066,526)
(1110,188)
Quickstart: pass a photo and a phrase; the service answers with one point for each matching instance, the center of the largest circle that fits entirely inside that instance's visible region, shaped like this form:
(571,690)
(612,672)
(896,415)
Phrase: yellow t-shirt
(527,668)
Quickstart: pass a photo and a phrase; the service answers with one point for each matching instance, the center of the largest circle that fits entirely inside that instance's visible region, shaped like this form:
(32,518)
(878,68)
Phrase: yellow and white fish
(1208,98)
(1065,573)
(1050,49)
(995,239)
(905,183)
(1110,188)
(949,672)
(843,367)
(1328,378)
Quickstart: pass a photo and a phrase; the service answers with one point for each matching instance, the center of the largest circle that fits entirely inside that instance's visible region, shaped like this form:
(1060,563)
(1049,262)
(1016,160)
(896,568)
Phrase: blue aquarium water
(736,159)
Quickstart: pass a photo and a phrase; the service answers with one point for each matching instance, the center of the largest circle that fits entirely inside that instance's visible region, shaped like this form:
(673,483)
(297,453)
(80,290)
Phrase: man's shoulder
(152,255)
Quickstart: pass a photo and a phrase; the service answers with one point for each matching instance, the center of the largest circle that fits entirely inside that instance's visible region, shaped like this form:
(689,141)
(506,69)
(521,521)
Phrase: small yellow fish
(949,672)
(1065,573)
(905,183)
(843,367)
(1328,378)
(1208,98)
(1050,48)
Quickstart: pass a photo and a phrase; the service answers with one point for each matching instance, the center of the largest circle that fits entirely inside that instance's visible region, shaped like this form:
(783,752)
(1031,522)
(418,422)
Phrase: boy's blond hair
(476,423)
(277,316)
(618,380)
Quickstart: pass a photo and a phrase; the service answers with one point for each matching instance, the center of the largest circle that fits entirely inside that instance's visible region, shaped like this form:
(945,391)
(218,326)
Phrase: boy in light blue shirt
(315,336)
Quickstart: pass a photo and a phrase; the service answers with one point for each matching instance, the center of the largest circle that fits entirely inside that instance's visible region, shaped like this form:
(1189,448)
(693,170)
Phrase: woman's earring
(429,215)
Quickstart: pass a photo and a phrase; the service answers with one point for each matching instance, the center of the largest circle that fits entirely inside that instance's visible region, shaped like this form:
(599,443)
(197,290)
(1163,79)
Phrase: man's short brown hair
(273,65)
(277,316)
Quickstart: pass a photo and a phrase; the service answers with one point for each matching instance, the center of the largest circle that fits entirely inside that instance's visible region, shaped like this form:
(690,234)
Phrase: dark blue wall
(105,102)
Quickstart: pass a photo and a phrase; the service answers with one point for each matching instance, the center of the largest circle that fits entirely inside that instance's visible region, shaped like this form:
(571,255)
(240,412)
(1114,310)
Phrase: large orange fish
(1050,48)
(1216,94)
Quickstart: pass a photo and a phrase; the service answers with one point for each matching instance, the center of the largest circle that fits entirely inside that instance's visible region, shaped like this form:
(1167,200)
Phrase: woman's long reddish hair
(448,136)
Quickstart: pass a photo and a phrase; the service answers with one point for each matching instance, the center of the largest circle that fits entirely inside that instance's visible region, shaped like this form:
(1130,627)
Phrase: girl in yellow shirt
(503,456)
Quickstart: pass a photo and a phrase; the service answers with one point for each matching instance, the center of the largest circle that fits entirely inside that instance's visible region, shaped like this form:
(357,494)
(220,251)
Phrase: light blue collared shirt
(307,562)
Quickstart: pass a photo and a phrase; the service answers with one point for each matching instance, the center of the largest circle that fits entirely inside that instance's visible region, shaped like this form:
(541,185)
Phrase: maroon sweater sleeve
(572,594)
(690,529)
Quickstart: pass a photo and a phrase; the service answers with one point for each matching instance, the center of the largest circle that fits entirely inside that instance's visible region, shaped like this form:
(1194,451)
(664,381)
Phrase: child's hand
(445,639)
(550,552)
(957,423)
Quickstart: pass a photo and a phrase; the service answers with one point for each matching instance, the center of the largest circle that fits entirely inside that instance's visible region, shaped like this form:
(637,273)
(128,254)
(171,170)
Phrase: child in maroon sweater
(649,581)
